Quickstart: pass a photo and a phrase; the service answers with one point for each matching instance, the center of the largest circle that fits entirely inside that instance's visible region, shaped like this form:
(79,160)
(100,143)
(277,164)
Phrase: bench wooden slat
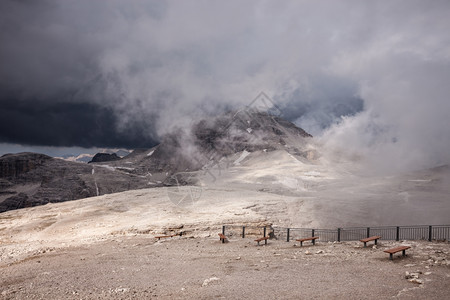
(397,249)
(264,238)
(222,237)
(372,238)
(312,239)
(308,239)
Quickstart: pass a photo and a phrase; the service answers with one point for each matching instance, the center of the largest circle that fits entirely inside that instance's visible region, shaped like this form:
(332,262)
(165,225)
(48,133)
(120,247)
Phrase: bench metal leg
(301,244)
(365,244)
(376,242)
(314,242)
(404,252)
(265,242)
(390,256)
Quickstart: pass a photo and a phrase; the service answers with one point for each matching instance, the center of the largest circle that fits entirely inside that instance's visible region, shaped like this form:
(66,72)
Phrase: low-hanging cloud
(370,77)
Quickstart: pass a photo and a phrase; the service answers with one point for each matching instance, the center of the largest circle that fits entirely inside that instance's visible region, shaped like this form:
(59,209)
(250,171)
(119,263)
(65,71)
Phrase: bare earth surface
(138,267)
(104,247)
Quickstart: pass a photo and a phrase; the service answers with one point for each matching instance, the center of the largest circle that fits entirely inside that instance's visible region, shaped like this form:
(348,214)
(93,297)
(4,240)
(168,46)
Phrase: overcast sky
(370,76)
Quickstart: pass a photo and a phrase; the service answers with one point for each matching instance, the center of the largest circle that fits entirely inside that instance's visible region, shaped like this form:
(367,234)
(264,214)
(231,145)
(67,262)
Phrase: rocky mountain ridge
(212,140)
(29,179)
(102,157)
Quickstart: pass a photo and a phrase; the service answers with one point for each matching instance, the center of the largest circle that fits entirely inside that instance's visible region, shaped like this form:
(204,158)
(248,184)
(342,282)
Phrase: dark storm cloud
(52,90)
(361,75)
(66,124)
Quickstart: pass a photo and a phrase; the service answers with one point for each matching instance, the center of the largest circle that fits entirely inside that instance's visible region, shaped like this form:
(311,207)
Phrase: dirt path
(140,267)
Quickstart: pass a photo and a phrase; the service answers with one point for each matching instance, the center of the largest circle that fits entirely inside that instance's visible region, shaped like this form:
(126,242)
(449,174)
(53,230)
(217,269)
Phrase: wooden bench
(312,239)
(167,236)
(264,238)
(372,238)
(397,249)
(222,237)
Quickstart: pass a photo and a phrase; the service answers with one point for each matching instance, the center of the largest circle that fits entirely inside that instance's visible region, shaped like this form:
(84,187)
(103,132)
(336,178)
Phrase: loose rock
(208,281)
(416,280)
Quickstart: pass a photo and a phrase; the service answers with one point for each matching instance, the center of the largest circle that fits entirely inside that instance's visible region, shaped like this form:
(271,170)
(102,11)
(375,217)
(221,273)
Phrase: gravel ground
(139,267)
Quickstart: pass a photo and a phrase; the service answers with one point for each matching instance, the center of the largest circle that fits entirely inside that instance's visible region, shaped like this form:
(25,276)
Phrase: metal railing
(397,233)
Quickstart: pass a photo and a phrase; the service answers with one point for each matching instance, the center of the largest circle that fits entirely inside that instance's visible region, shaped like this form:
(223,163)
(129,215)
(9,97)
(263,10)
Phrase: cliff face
(30,179)
(14,165)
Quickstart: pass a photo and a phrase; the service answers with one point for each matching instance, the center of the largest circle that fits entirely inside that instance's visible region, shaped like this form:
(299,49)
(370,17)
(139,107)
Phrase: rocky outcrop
(14,165)
(251,131)
(102,157)
(30,179)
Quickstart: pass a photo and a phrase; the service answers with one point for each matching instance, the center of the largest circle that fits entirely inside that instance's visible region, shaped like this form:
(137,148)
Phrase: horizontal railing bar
(405,232)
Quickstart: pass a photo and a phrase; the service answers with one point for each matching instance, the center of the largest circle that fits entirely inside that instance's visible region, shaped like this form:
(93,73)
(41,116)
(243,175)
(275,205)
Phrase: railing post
(288,231)
(397,238)
(243,231)
(312,232)
(368,231)
(223,229)
(339,235)
(430,233)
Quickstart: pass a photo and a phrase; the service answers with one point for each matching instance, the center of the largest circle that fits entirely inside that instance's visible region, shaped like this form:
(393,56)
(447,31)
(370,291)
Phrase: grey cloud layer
(157,64)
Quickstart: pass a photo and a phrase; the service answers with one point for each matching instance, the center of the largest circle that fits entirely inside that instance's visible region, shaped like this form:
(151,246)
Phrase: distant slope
(30,179)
